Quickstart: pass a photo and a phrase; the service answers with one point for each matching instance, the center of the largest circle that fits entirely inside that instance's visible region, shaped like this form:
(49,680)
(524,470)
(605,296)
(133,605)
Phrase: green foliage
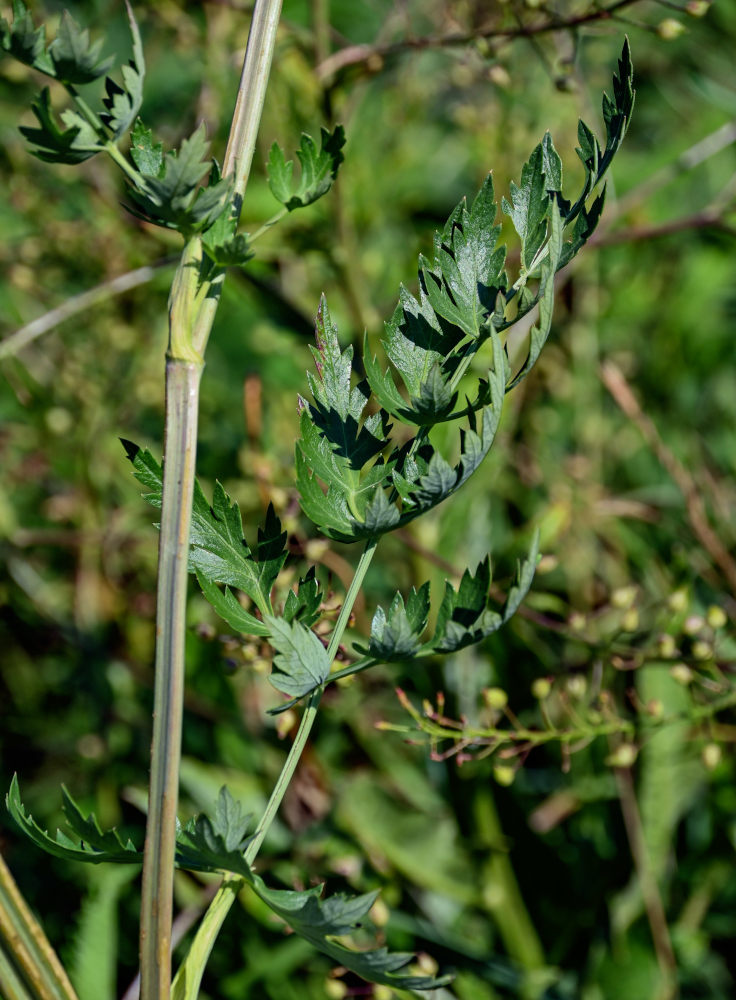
(123,103)
(218,550)
(145,152)
(24,41)
(319,169)
(74,60)
(301,663)
(217,844)
(74,144)
(71,57)
(93,845)
(171,195)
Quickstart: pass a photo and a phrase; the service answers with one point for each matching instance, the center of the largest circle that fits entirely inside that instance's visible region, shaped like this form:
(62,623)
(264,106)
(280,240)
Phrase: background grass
(526,889)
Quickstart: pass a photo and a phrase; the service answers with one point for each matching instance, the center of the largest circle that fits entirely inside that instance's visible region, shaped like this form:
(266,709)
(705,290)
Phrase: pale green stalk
(189,976)
(25,952)
(11,987)
(191,314)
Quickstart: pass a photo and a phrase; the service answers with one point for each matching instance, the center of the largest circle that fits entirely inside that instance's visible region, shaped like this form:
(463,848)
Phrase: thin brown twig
(699,220)
(653,906)
(15,342)
(615,381)
(353,55)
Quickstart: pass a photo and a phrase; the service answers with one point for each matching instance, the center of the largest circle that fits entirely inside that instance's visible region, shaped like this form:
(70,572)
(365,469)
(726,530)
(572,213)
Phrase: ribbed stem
(192,309)
(26,956)
(182,395)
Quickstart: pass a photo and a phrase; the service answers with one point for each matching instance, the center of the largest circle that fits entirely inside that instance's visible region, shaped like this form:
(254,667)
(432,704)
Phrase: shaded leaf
(24,41)
(123,103)
(216,844)
(74,144)
(304,605)
(319,920)
(172,196)
(528,206)
(396,636)
(76,59)
(218,551)
(92,844)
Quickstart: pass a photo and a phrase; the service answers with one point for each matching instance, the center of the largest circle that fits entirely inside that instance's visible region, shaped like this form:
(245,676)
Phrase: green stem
(180,439)
(190,322)
(188,978)
(11,986)
(117,157)
(86,110)
(242,141)
(26,956)
(267,225)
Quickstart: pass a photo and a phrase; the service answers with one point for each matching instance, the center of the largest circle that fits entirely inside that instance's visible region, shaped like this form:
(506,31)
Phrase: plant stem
(26,955)
(189,975)
(191,314)
(180,439)
(117,157)
(244,130)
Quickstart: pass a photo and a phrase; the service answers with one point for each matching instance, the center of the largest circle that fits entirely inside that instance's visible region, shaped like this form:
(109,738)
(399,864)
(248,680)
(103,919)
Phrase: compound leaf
(123,103)
(93,845)
(466,275)
(528,207)
(319,920)
(171,196)
(218,552)
(319,169)
(76,59)
(216,844)
(304,605)
(74,144)
(301,662)
(24,41)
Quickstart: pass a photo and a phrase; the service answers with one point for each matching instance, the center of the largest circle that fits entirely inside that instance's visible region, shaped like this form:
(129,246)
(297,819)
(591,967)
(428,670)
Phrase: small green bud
(381,992)
(547,563)
(678,600)
(682,673)
(693,624)
(666,646)
(504,775)
(379,913)
(335,989)
(577,621)
(541,687)
(426,964)
(669,29)
(623,756)
(630,621)
(623,597)
(711,755)
(495,697)
(697,8)
(702,650)
(715,616)
(655,708)
(576,686)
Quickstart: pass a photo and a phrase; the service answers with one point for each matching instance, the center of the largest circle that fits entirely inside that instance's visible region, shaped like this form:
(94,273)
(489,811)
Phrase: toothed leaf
(318,169)
(301,662)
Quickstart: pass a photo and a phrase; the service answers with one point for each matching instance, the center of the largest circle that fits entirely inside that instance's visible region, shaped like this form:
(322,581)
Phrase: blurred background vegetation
(598,868)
